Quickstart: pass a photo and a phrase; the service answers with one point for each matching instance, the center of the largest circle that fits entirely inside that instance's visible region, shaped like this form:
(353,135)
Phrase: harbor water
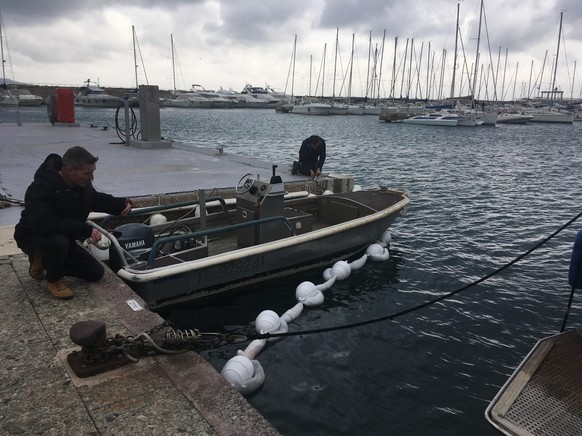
(480,197)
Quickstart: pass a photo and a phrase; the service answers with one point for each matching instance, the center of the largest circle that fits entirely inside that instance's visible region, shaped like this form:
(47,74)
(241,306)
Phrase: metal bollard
(18,118)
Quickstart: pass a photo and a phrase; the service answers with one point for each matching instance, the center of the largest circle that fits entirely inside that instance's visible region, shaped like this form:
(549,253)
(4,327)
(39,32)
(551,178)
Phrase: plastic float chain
(99,353)
(243,371)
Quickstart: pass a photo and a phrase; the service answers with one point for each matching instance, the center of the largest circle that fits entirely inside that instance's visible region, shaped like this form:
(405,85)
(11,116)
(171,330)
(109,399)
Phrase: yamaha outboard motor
(136,239)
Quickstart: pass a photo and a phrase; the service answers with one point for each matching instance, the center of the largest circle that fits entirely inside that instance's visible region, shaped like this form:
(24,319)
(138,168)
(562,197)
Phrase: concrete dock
(162,394)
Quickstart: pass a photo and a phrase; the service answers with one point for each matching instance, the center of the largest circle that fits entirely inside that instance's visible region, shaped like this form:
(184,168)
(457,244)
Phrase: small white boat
(311,107)
(433,119)
(245,101)
(7,98)
(551,117)
(218,101)
(94,96)
(261,94)
(264,233)
(444,118)
(188,100)
(513,118)
(27,98)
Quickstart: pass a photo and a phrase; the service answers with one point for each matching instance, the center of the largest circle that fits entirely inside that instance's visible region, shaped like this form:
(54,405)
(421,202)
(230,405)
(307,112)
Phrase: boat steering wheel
(244,187)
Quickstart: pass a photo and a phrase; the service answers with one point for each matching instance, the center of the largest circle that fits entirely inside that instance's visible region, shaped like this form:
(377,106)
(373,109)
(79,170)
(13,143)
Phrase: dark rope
(423,305)
(568,310)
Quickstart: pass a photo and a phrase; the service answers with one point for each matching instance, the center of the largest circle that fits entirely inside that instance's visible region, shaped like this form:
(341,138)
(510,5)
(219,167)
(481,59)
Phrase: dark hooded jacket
(311,159)
(51,207)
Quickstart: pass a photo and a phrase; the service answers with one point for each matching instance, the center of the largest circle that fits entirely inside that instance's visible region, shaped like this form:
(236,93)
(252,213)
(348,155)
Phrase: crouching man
(56,206)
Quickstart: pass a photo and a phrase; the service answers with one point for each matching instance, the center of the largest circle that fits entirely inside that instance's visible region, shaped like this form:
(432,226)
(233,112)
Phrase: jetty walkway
(162,394)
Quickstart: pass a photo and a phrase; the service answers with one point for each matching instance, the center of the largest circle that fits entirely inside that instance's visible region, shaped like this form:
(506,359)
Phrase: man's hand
(95,236)
(128,206)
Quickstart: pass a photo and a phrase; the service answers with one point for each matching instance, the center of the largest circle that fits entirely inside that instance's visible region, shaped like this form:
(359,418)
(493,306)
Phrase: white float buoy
(385,239)
(238,370)
(158,219)
(341,270)
(244,375)
(378,253)
(327,274)
(267,322)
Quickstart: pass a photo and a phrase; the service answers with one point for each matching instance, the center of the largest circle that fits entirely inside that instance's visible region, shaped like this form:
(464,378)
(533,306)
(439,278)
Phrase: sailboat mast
(477,53)
(351,69)
(134,56)
(427,71)
(557,55)
(293,75)
(381,62)
(2,54)
(335,65)
(310,71)
(173,64)
(409,84)
(368,73)
(394,69)
(323,74)
(455,56)
(404,68)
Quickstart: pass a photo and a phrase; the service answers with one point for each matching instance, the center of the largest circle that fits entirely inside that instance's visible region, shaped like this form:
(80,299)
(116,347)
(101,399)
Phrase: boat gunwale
(140,276)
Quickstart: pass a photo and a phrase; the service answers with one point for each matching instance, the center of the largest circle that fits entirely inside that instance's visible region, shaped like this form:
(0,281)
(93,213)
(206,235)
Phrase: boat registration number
(242,265)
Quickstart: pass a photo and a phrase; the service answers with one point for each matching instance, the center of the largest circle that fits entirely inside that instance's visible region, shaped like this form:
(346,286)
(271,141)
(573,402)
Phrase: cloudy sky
(227,43)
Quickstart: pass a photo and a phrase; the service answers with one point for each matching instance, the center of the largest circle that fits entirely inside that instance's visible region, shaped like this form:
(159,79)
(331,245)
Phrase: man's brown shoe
(60,290)
(36,269)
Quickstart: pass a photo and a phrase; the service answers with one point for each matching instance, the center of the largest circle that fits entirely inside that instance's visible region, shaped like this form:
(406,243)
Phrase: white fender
(378,253)
(327,274)
(356,188)
(245,376)
(305,290)
(314,300)
(358,263)
(267,322)
(283,328)
(157,219)
(385,239)
(341,270)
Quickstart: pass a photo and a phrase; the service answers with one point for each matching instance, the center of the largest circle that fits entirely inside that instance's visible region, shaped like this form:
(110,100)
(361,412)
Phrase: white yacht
(188,100)
(311,107)
(95,96)
(261,94)
(7,98)
(27,98)
(218,101)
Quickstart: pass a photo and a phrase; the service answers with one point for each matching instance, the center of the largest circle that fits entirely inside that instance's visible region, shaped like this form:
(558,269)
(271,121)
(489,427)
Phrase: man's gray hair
(77,156)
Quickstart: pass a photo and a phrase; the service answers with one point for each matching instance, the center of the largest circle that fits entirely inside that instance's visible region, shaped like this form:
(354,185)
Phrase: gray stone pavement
(164,394)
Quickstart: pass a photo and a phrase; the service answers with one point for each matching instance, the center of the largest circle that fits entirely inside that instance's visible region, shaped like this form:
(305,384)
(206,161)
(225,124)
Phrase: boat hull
(230,272)
(427,121)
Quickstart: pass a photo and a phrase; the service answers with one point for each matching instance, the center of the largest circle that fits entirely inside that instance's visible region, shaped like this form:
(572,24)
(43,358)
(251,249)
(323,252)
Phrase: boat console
(257,199)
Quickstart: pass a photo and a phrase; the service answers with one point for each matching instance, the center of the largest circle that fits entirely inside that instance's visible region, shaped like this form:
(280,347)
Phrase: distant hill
(10,82)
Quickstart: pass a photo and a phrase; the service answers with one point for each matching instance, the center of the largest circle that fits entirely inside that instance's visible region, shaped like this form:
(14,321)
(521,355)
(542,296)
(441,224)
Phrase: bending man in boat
(57,204)
(311,157)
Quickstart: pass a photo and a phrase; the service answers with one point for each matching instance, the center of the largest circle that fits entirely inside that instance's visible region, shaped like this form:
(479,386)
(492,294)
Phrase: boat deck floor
(544,395)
